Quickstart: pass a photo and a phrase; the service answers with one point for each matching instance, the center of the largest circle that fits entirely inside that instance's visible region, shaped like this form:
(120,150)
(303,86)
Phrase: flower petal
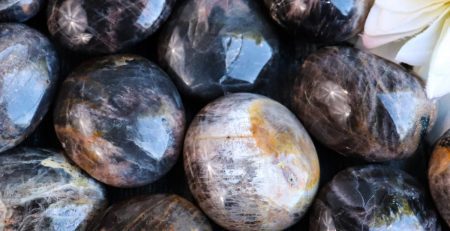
(407,5)
(388,51)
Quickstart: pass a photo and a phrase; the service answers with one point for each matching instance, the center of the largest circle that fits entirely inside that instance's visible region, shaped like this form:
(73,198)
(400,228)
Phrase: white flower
(416,32)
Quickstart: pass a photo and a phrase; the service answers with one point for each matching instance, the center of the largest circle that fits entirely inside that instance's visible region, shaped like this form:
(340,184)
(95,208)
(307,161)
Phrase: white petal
(372,42)
(388,51)
(407,5)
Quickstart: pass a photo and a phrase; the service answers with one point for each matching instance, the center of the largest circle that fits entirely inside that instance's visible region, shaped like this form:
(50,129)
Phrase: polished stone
(28,75)
(155,212)
(93,26)
(439,176)
(250,163)
(42,190)
(121,119)
(372,198)
(212,47)
(19,10)
(322,20)
(443,120)
(361,105)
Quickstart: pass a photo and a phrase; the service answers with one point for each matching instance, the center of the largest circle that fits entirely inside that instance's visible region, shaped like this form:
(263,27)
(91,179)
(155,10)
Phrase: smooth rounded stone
(361,105)
(155,212)
(212,47)
(443,120)
(121,119)
(93,26)
(250,163)
(42,190)
(322,20)
(19,10)
(439,176)
(28,75)
(372,198)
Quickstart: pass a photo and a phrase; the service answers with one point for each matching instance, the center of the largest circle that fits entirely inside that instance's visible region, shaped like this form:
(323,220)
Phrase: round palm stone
(28,75)
(19,10)
(439,176)
(155,212)
(121,119)
(42,190)
(250,163)
(93,26)
(372,198)
(361,105)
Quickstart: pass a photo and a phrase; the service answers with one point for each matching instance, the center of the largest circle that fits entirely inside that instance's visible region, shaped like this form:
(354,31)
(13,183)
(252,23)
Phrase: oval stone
(19,10)
(155,212)
(322,20)
(121,119)
(212,47)
(372,198)
(42,190)
(361,105)
(28,75)
(250,163)
(93,26)
(439,176)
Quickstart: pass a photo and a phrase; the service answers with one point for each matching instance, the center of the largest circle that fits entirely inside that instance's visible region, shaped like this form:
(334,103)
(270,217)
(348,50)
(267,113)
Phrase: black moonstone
(93,26)
(121,119)
(321,20)
(28,75)
(212,47)
(373,198)
(19,10)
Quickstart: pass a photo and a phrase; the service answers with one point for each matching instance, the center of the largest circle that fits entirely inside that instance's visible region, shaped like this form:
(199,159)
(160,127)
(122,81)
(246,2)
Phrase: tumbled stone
(442,121)
(28,75)
(42,190)
(155,212)
(322,20)
(212,47)
(19,10)
(372,198)
(361,105)
(439,176)
(93,26)
(121,119)
(250,163)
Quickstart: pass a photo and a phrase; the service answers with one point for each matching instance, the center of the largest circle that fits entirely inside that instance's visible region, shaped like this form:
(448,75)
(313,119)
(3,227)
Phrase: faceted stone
(250,163)
(212,47)
(28,75)
(19,10)
(42,190)
(439,176)
(359,104)
(155,212)
(322,20)
(121,119)
(93,26)
(372,198)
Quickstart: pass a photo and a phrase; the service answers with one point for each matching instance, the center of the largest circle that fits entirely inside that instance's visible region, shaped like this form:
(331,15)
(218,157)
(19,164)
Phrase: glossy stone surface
(443,120)
(212,47)
(121,119)
(372,198)
(28,75)
(361,105)
(41,190)
(94,26)
(439,176)
(155,212)
(19,10)
(250,163)
(322,20)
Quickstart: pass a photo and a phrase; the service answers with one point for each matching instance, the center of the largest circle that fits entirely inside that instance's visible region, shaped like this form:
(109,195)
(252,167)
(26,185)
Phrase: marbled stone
(28,75)
(93,26)
(19,10)
(156,212)
(322,20)
(42,190)
(121,119)
(212,47)
(439,176)
(359,104)
(372,198)
(250,163)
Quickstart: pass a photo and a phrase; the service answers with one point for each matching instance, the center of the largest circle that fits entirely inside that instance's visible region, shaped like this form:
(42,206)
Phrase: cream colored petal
(372,42)
(408,5)
(388,51)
